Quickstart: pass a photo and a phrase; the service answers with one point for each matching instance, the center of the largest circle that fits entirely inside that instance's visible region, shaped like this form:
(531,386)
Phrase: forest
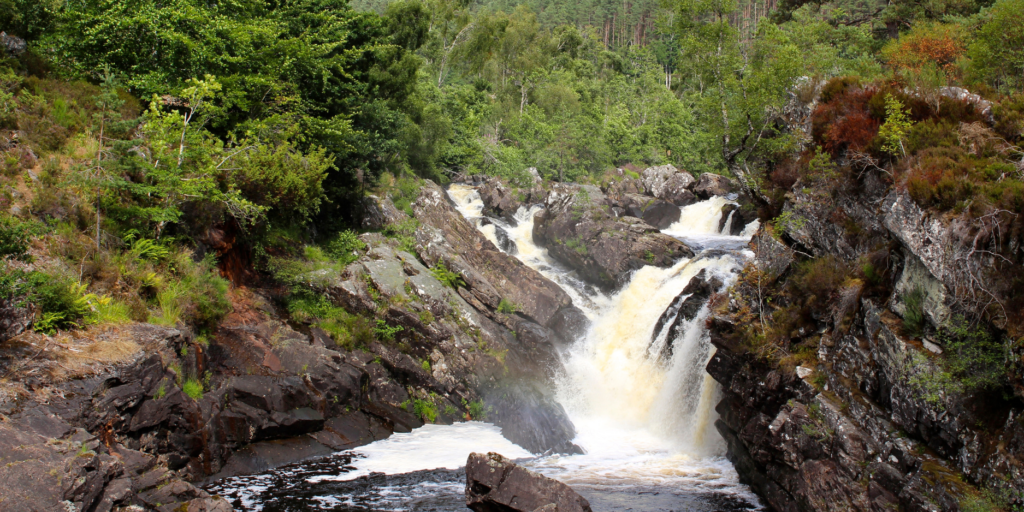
(130,128)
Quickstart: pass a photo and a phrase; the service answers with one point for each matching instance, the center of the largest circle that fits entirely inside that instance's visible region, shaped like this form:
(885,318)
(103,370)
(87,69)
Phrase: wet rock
(578,229)
(683,309)
(490,274)
(570,323)
(709,185)
(496,484)
(661,214)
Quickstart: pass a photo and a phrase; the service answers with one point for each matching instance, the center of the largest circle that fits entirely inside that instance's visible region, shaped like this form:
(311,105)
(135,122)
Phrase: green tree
(997,53)
(740,88)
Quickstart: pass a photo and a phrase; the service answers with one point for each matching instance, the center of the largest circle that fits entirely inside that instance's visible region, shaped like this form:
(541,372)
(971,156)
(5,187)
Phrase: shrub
(345,247)
(447,277)
(193,388)
(425,409)
(403,233)
(913,317)
(819,278)
(973,355)
(195,294)
(14,238)
(477,410)
(507,307)
(387,332)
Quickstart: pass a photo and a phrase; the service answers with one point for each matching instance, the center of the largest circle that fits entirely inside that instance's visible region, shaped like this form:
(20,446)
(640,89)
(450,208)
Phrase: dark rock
(530,417)
(661,214)
(684,309)
(772,257)
(570,323)
(496,484)
(578,230)
(709,185)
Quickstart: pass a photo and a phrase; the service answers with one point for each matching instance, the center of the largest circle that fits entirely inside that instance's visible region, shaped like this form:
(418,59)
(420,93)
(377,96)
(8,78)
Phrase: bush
(345,247)
(973,355)
(818,279)
(193,388)
(14,238)
(425,409)
(386,332)
(196,294)
(507,307)
(447,277)
(913,317)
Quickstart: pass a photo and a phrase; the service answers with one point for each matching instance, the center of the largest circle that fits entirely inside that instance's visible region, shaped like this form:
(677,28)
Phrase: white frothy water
(429,447)
(643,420)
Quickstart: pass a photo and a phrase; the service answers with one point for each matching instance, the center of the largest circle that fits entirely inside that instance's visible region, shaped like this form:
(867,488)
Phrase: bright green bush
(447,277)
(345,247)
(14,238)
(193,388)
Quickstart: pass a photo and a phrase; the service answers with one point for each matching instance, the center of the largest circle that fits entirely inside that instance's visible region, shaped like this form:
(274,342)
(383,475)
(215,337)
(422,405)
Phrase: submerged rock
(496,484)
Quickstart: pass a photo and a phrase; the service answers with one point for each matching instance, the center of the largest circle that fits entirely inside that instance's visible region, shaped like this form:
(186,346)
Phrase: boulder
(496,484)
(668,183)
(661,214)
(709,185)
(490,274)
(579,230)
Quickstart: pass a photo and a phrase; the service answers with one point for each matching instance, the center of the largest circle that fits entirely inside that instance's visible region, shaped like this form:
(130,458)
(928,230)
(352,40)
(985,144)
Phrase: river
(645,421)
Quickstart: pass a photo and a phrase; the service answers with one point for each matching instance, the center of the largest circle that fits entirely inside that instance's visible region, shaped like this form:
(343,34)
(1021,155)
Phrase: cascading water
(644,421)
(644,415)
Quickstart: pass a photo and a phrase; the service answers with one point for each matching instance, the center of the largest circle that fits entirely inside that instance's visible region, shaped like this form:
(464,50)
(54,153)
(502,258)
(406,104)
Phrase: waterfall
(645,416)
(640,418)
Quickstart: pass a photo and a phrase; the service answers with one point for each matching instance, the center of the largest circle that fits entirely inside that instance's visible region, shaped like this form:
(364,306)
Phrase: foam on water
(429,447)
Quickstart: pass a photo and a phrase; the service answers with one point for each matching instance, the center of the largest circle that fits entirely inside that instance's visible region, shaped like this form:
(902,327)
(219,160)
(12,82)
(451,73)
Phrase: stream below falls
(646,422)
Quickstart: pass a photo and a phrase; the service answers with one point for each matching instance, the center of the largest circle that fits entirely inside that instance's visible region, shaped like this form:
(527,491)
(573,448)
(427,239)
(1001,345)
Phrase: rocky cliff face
(871,419)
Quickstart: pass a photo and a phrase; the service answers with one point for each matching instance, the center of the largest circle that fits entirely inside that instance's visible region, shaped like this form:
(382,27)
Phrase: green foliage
(913,316)
(425,410)
(193,388)
(386,332)
(403,233)
(897,123)
(577,245)
(447,277)
(478,411)
(507,307)
(788,222)
(426,366)
(196,294)
(345,247)
(14,238)
(997,53)
(973,356)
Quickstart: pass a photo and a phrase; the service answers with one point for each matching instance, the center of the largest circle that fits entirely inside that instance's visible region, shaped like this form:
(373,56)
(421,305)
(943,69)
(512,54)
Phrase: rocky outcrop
(669,184)
(683,309)
(14,46)
(378,213)
(579,229)
(866,425)
(503,201)
(709,185)
(496,484)
(490,275)
(14,319)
